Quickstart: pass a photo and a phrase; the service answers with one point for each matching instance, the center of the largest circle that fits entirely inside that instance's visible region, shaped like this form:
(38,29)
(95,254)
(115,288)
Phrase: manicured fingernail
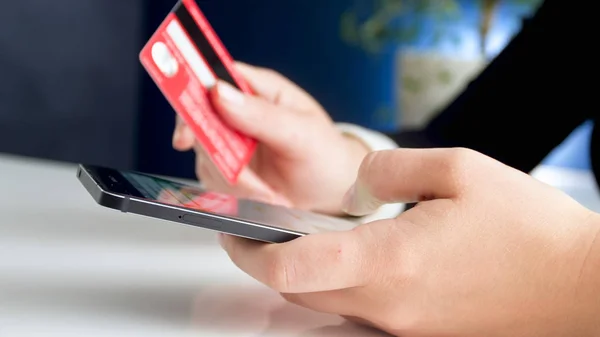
(230,94)
(348,201)
(358,201)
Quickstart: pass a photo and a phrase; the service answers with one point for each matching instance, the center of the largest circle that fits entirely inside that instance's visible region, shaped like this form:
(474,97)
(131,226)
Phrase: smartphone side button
(202,221)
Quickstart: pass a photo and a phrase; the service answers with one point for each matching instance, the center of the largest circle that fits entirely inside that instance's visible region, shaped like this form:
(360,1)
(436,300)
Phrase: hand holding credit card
(185,58)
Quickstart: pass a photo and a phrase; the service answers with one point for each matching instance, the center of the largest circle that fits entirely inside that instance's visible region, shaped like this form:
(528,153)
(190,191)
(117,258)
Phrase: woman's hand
(488,251)
(302,160)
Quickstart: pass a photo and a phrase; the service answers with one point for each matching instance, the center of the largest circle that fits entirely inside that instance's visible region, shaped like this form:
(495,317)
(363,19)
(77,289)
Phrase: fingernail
(359,202)
(348,201)
(230,94)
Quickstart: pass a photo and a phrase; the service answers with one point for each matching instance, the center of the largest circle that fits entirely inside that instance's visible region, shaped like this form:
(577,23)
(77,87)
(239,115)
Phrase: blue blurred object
(574,152)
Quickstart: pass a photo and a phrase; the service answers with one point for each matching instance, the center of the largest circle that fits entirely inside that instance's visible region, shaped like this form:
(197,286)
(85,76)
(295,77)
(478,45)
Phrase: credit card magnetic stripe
(199,39)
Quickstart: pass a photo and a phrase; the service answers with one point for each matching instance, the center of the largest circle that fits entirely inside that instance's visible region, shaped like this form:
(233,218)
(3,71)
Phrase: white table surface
(71,268)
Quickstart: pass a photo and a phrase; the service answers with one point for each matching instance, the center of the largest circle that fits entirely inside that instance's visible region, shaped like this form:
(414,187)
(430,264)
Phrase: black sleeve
(526,102)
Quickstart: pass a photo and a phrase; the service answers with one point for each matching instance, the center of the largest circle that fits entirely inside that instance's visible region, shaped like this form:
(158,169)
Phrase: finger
(275,88)
(275,126)
(337,302)
(209,174)
(183,136)
(249,185)
(316,262)
(209,179)
(260,195)
(407,175)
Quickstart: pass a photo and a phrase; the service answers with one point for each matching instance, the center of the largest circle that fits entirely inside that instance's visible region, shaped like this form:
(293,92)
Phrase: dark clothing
(530,97)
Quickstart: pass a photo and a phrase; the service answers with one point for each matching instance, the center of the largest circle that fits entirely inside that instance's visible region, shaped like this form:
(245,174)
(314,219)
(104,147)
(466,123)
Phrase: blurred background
(73,90)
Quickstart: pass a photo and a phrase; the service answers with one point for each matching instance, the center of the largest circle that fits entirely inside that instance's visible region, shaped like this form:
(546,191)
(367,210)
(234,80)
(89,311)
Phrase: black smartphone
(190,204)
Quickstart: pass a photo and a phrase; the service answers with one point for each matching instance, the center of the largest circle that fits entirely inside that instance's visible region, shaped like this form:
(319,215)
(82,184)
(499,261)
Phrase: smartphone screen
(193,197)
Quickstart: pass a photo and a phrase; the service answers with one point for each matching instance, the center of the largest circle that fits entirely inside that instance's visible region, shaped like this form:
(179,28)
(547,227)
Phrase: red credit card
(185,58)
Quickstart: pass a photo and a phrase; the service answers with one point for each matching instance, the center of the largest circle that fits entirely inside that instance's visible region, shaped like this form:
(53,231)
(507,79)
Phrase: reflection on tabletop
(210,310)
(256,312)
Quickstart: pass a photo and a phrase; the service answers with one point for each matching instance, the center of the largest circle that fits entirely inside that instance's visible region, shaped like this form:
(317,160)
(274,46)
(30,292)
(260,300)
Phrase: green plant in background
(402,21)
(383,24)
